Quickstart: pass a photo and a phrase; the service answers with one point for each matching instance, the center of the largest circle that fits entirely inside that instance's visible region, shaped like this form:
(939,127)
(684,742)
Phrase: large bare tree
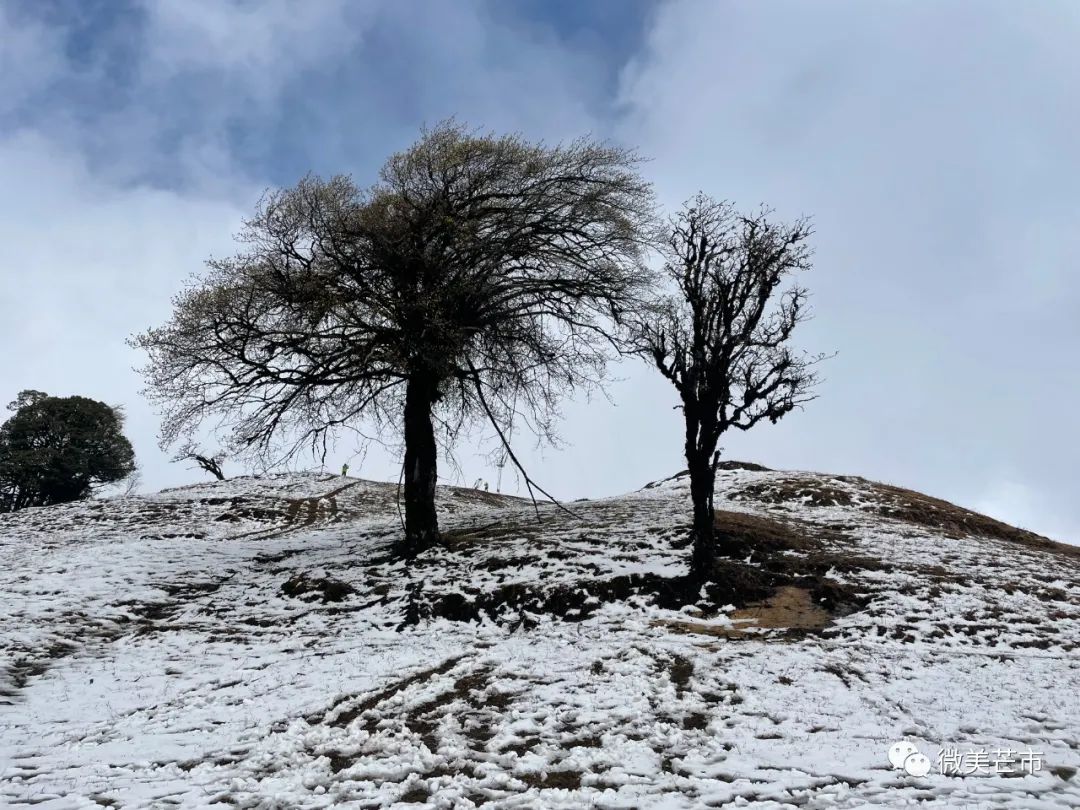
(478,278)
(722,335)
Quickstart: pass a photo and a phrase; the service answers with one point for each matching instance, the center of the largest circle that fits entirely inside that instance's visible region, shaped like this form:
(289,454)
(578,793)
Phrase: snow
(153,661)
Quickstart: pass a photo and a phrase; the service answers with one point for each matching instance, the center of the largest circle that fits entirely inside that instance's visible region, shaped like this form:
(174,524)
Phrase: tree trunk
(421,523)
(702,479)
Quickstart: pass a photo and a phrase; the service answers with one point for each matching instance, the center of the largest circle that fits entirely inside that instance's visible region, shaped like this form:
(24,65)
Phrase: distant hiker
(344,469)
(486,488)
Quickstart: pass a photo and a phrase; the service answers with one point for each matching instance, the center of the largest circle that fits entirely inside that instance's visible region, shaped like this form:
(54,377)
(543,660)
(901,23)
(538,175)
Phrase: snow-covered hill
(255,643)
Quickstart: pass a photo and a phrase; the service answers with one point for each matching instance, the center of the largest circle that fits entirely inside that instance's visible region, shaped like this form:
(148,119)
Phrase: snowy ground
(160,651)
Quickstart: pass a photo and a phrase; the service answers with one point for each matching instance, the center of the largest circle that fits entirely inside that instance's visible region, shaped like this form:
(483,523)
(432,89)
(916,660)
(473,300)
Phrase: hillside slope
(255,643)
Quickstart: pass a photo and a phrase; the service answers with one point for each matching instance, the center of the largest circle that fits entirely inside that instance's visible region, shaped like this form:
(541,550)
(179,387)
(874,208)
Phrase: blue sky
(933,144)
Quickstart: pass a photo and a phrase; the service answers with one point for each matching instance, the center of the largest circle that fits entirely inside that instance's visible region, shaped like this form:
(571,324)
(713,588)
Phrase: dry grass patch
(739,533)
(914,507)
(897,503)
(807,491)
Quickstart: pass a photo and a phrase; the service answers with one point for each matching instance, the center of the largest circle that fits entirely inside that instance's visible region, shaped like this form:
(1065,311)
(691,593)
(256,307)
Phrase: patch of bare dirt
(756,556)
(564,779)
(23,667)
(311,588)
(681,670)
(787,608)
(520,604)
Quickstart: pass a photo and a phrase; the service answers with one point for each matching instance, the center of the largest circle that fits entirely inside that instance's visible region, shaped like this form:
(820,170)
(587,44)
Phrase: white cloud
(86,264)
(258,45)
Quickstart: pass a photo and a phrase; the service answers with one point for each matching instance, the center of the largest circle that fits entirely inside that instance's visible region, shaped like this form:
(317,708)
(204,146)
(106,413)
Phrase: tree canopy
(60,449)
(477,279)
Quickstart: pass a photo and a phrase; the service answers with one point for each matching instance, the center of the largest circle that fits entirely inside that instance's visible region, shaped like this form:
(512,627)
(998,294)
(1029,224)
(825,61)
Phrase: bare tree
(721,337)
(479,278)
(207,462)
(131,484)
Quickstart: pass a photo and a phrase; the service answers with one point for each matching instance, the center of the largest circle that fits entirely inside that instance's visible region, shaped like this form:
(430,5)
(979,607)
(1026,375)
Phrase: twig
(529,482)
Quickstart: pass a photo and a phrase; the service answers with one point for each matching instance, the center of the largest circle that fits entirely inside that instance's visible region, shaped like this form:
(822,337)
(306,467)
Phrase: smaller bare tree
(209,463)
(131,485)
(721,337)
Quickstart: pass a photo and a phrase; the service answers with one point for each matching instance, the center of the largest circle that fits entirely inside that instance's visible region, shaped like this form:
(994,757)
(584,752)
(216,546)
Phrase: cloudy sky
(934,144)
